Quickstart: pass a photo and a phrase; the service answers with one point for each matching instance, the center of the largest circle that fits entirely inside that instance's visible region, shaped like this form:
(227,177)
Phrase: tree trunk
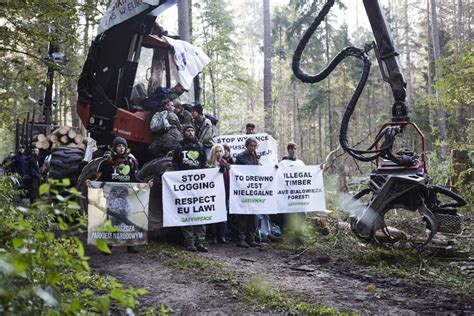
(441,113)
(183,20)
(267,68)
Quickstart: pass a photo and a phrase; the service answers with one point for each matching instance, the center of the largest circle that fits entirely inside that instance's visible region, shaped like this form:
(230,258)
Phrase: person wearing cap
(120,166)
(188,155)
(203,128)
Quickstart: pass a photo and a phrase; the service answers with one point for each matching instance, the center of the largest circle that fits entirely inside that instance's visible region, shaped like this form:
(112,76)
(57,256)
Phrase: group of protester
(188,137)
(190,153)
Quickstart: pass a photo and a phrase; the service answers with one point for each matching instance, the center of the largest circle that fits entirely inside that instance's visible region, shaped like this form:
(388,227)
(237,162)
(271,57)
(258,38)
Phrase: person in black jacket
(120,166)
(19,162)
(246,223)
(189,154)
(33,175)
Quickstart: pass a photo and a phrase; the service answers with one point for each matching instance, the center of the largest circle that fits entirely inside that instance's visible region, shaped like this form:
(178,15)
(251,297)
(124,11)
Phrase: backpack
(159,122)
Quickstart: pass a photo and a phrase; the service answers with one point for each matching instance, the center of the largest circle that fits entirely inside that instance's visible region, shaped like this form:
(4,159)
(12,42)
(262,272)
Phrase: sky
(353,16)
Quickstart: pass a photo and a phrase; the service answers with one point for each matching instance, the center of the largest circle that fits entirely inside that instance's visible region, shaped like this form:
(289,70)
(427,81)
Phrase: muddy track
(314,279)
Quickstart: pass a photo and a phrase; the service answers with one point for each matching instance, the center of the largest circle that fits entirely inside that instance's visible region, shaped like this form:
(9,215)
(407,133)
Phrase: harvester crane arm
(400,180)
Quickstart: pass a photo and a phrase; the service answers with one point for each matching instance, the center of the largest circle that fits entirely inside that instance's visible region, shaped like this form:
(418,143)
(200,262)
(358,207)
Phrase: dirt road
(231,280)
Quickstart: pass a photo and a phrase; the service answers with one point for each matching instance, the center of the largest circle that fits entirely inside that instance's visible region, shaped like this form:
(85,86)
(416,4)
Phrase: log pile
(63,136)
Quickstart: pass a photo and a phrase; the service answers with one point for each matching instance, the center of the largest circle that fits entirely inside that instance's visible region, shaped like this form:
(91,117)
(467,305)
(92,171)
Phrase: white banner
(300,189)
(121,10)
(267,148)
(193,197)
(252,189)
(268,190)
(125,205)
(188,61)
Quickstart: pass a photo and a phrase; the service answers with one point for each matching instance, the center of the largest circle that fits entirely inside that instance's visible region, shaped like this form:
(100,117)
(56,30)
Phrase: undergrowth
(43,265)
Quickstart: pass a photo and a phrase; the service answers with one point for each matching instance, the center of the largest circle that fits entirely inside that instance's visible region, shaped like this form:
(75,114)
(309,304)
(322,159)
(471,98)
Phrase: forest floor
(336,275)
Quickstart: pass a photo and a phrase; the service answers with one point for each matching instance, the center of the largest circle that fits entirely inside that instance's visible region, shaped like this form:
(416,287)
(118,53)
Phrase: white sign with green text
(253,189)
(193,197)
(270,190)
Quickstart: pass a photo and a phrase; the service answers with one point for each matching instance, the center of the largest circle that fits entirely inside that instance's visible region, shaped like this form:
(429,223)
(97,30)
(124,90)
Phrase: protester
(189,154)
(203,128)
(246,223)
(227,154)
(19,166)
(184,116)
(250,128)
(120,166)
(33,175)
(19,163)
(291,159)
(218,230)
(262,221)
(167,138)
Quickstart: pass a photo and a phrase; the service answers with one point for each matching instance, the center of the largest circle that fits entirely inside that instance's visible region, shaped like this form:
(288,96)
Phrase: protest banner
(300,189)
(121,10)
(267,190)
(267,146)
(193,197)
(125,205)
(252,190)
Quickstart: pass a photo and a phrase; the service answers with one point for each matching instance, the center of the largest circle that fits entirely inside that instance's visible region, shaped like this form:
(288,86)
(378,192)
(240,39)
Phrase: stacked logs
(63,136)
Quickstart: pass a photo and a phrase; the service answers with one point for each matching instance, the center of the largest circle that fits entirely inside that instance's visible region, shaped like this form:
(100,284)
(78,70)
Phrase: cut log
(72,133)
(64,139)
(63,130)
(44,144)
(79,139)
(41,137)
(53,138)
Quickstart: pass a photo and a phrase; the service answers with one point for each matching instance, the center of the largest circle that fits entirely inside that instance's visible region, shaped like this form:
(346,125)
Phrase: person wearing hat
(189,154)
(203,127)
(111,169)
(120,166)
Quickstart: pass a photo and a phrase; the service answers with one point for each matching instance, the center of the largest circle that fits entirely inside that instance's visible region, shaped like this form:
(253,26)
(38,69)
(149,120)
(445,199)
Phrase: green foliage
(43,265)
(259,292)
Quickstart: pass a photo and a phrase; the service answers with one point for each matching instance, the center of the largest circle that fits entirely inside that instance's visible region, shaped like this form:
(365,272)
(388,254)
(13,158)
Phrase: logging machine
(400,180)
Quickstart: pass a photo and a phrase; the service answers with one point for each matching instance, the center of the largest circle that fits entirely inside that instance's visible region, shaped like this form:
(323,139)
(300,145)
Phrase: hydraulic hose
(313,78)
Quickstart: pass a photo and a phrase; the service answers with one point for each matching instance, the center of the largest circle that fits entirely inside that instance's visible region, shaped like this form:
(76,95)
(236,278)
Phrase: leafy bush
(43,266)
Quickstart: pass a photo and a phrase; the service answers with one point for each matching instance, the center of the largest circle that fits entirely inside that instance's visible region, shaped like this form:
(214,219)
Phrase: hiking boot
(191,247)
(201,248)
(242,244)
(132,249)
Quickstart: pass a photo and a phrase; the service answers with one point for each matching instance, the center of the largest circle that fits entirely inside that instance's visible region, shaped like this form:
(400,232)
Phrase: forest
(319,266)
